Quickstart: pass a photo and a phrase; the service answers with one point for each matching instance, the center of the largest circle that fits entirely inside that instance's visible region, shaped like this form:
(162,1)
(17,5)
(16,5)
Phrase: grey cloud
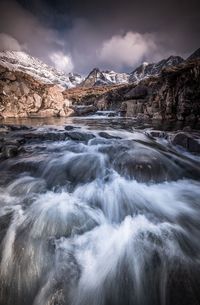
(26,29)
(110,34)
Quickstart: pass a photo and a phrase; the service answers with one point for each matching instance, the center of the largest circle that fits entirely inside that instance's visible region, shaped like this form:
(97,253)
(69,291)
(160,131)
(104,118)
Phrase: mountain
(20,61)
(100,78)
(146,70)
(194,55)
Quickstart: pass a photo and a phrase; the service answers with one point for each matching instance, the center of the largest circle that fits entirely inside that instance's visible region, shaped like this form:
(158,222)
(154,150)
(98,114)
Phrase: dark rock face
(138,92)
(174,95)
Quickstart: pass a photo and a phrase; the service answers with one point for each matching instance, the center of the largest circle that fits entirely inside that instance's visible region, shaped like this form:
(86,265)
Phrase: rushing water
(113,219)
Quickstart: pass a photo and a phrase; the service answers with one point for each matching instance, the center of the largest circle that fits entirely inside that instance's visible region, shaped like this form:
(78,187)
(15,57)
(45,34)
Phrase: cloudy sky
(78,35)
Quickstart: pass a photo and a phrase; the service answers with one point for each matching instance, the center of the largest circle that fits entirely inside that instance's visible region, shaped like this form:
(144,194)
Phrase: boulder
(186,141)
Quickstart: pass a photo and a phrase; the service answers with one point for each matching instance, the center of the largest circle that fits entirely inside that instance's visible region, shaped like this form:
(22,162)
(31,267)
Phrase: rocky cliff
(174,95)
(21,95)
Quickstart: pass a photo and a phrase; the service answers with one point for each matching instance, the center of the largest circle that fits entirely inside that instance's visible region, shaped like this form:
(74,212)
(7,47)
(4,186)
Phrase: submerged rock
(107,135)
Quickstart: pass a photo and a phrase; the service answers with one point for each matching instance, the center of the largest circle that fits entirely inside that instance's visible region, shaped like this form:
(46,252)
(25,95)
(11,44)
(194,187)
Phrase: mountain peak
(107,77)
(145,70)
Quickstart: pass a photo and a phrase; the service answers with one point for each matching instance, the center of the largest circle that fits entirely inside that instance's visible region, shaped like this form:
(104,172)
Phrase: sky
(78,35)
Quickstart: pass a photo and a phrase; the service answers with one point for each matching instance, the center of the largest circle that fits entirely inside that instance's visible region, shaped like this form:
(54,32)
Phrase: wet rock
(186,141)
(70,127)
(18,127)
(145,165)
(10,151)
(85,110)
(107,135)
(84,168)
(79,136)
(156,134)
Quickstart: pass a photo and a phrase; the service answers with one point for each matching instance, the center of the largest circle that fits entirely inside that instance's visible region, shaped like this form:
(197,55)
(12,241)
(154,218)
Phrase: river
(98,212)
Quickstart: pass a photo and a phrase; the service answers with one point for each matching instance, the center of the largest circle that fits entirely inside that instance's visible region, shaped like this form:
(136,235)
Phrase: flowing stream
(96,216)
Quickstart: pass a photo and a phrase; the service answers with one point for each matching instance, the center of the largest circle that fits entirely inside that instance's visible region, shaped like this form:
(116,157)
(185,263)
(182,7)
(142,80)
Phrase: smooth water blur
(112,219)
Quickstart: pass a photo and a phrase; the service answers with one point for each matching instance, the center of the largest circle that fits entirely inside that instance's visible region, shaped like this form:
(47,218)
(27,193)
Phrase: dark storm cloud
(110,34)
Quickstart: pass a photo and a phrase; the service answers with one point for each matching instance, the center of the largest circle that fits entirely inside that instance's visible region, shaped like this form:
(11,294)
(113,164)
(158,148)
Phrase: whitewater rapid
(106,221)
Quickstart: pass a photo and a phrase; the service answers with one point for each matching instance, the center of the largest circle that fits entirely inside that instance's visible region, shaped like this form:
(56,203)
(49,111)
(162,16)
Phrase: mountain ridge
(21,61)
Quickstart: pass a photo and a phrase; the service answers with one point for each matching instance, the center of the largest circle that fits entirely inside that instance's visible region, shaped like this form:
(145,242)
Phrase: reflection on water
(100,219)
(98,122)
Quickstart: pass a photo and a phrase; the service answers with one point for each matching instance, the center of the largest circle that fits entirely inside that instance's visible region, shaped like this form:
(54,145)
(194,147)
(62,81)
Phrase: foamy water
(103,222)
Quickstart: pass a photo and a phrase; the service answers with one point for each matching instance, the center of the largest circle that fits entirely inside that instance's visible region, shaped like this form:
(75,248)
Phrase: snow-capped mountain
(20,61)
(153,69)
(99,78)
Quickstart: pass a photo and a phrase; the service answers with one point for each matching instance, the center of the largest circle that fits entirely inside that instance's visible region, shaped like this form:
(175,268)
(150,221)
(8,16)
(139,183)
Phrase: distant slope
(20,61)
